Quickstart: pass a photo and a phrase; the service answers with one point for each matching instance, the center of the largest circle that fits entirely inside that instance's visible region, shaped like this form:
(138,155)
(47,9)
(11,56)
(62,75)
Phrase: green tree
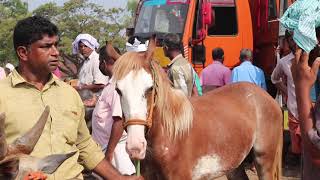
(49,10)
(81,16)
(131,6)
(10,12)
(73,18)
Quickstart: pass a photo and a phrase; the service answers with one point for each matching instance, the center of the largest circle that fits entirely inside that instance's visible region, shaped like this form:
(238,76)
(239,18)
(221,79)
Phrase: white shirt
(283,68)
(90,72)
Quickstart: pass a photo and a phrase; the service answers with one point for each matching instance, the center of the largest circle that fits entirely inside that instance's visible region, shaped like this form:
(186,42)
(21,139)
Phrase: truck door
(231,30)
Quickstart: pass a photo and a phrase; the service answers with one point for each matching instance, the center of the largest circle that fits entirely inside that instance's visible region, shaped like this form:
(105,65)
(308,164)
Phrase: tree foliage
(10,12)
(73,18)
(131,6)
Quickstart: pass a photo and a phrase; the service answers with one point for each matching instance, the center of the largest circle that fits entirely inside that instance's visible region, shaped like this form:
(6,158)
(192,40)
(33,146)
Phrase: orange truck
(206,24)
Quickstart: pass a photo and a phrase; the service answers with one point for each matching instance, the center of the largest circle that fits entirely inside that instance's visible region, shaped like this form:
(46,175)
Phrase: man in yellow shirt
(31,87)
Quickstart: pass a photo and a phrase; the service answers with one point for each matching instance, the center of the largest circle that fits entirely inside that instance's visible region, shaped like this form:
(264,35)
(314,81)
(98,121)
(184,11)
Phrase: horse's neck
(158,138)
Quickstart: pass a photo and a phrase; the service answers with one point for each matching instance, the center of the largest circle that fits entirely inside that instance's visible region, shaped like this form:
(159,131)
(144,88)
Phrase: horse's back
(243,104)
(237,97)
(231,117)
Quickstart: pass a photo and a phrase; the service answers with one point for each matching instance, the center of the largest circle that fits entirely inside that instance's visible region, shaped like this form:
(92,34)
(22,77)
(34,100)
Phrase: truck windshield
(161,17)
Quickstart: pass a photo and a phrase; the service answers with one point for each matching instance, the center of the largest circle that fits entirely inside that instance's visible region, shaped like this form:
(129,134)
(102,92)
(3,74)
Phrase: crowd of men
(35,83)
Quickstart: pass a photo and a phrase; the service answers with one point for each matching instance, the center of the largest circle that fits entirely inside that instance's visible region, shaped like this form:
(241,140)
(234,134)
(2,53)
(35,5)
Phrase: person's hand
(303,75)
(35,176)
(278,50)
(132,178)
(90,102)
(78,88)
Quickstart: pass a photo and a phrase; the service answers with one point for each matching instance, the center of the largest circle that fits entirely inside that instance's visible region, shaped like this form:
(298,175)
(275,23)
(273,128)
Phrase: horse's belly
(219,147)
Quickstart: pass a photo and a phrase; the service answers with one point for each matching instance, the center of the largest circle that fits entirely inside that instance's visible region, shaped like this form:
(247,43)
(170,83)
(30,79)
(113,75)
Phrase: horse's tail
(278,158)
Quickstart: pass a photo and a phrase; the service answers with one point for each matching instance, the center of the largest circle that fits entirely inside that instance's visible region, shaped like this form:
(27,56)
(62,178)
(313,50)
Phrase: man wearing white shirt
(283,71)
(90,77)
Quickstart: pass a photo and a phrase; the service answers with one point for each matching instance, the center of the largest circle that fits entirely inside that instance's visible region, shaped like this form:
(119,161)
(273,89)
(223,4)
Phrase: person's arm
(117,126)
(91,156)
(276,79)
(116,133)
(227,77)
(304,77)
(107,171)
(92,87)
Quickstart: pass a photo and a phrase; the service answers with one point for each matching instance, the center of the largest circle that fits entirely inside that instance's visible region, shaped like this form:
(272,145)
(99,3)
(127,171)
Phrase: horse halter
(148,121)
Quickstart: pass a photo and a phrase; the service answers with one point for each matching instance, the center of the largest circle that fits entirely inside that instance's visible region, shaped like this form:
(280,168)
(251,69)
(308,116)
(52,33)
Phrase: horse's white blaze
(207,167)
(133,87)
(134,105)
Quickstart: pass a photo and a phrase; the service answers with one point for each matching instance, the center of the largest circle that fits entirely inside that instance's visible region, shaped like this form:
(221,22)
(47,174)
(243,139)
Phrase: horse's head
(15,161)
(133,74)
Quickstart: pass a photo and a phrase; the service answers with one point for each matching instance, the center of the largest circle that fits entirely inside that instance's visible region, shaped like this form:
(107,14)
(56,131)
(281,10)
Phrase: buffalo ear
(51,163)
(9,169)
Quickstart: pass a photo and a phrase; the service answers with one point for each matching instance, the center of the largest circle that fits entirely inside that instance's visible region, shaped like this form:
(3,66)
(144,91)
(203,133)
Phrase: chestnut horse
(199,138)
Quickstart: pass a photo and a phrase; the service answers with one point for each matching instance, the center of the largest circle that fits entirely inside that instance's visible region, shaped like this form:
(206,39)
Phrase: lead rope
(138,169)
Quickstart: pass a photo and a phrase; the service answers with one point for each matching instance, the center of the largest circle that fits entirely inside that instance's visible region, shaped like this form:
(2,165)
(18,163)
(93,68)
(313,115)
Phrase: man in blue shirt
(247,72)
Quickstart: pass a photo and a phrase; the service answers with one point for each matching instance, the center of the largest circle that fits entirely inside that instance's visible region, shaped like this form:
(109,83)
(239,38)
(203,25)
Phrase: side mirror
(206,13)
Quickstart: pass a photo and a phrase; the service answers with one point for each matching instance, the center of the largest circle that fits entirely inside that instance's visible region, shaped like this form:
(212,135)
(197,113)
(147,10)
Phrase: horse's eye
(150,89)
(118,91)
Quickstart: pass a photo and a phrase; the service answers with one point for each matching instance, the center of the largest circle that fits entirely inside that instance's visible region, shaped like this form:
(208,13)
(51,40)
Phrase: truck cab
(206,24)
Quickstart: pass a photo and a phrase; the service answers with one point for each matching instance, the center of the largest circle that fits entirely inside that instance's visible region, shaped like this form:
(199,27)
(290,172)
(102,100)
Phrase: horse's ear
(3,142)
(26,143)
(151,48)
(111,51)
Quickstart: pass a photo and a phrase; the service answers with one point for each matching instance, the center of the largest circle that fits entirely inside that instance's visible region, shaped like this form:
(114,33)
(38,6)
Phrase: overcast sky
(105,3)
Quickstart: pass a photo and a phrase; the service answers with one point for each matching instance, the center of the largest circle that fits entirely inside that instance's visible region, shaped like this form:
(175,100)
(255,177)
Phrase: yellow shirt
(66,129)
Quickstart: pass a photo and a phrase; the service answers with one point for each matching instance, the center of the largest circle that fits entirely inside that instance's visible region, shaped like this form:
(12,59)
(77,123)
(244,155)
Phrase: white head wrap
(137,46)
(10,67)
(86,39)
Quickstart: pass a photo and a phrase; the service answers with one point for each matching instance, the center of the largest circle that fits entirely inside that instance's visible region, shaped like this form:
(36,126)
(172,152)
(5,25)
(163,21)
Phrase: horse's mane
(172,106)
(129,61)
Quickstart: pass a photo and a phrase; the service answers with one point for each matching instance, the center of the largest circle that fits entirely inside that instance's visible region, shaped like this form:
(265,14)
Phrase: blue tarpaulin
(302,17)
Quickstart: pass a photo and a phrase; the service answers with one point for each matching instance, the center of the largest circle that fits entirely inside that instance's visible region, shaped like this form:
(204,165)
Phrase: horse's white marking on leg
(207,167)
